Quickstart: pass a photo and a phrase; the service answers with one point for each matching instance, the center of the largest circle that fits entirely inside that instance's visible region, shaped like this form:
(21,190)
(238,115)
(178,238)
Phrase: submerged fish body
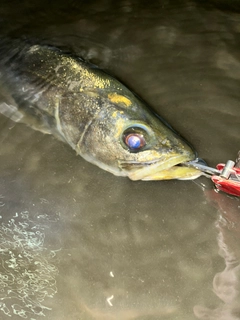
(93,112)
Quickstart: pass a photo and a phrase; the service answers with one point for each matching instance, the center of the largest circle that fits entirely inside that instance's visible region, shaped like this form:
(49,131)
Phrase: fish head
(127,139)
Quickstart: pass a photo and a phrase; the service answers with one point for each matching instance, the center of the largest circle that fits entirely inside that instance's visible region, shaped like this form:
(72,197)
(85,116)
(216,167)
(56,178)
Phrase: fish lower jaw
(165,170)
(175,172)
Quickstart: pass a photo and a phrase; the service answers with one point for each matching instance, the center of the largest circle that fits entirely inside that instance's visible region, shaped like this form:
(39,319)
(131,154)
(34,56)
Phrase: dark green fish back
(42,79)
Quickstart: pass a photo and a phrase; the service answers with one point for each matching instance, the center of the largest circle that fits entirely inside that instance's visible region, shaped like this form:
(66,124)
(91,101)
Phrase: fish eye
(136,138)
(134,141)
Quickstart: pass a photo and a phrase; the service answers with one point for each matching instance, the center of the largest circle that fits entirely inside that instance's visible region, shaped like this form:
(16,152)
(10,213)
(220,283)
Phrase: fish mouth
(165,168)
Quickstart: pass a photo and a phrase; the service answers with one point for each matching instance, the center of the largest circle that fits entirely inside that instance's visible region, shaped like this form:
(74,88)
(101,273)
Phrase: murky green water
(80,243)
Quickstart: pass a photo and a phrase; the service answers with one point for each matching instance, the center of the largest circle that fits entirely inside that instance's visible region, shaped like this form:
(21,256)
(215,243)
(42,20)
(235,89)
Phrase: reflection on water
(226,284)
(95,246)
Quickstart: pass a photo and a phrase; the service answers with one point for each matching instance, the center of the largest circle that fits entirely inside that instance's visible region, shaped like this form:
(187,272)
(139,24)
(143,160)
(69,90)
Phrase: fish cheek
(73,114)
(101,145)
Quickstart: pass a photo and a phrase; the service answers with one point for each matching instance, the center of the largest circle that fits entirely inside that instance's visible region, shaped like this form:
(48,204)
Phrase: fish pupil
(134,141)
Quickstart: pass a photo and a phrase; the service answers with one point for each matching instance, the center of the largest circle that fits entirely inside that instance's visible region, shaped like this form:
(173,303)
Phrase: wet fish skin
(58,93)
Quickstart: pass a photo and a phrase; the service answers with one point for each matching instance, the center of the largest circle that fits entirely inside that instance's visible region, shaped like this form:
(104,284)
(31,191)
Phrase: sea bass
(108,125)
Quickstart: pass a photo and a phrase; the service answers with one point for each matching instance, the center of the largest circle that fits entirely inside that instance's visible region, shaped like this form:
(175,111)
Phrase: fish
(57,92)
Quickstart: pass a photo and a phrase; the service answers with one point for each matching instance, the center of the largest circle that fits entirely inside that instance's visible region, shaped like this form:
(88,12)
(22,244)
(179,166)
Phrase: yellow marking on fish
(119,127)
(117,113)
(92,80)
(114,115)
(117,98)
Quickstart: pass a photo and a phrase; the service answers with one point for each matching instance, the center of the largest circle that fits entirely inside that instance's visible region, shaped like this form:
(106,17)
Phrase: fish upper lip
(139,163)
(147,166)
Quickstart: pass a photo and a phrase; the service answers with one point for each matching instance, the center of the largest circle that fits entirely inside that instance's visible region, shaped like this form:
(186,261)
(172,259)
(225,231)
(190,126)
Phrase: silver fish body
(93,112)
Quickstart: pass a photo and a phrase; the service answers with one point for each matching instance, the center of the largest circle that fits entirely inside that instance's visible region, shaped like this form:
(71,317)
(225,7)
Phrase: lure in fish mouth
(93,112)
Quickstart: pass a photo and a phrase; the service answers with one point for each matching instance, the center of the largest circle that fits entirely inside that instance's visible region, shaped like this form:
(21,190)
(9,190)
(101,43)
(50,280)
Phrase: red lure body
(230,185)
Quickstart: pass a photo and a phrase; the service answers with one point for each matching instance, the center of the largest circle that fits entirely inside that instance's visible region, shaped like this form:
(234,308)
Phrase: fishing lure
(226,177)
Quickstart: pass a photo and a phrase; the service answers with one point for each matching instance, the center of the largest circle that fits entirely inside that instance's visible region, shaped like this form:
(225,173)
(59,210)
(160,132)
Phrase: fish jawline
(176,172)
(164,170)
